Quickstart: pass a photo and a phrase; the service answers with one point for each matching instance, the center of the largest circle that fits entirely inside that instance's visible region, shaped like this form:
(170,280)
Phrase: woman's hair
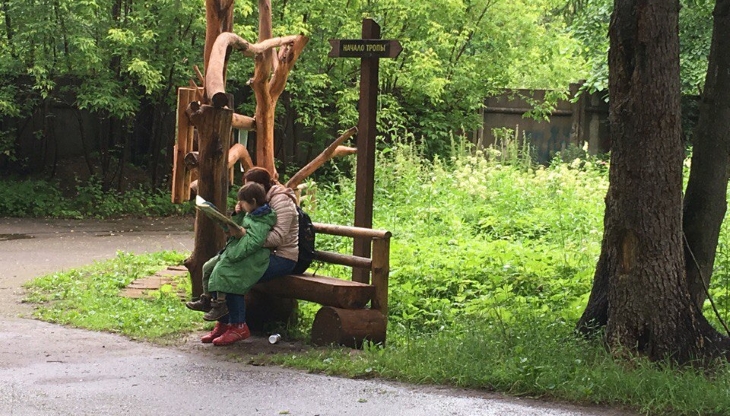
(253,193)
(260,176)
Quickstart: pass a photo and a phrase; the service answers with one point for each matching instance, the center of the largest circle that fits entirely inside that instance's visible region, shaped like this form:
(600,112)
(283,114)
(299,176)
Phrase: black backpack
(306,242)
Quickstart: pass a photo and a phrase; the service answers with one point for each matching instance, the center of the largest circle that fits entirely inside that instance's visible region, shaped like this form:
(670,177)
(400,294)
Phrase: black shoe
(200,305)
(218,310)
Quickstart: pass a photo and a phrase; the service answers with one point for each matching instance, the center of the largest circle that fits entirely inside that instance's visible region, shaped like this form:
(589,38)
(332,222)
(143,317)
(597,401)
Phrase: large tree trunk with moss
(640,274)
(705,200)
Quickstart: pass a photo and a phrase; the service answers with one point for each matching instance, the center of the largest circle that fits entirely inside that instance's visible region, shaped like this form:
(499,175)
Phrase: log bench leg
(264,310)
(348,327)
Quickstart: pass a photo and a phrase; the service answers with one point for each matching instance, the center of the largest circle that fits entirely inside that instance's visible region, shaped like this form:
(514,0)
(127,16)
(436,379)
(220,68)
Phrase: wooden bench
(352,311)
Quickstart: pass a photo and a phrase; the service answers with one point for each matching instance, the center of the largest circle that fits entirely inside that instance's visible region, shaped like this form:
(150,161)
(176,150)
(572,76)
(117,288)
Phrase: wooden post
(264,113)
(181,175)
(577,128)
(380,272)
(365,171)
(218,19)
(370,49)
(214,136)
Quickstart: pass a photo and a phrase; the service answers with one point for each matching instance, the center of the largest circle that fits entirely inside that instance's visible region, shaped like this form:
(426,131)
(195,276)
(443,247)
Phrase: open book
(212,212)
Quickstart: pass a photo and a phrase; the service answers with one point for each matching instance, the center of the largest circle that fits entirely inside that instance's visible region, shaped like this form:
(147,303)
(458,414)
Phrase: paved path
(48,369)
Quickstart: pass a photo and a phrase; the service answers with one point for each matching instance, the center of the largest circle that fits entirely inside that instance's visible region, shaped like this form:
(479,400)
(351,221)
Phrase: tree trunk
(641,268)
(214,127)
(218,19)
(265,109)
(705,199)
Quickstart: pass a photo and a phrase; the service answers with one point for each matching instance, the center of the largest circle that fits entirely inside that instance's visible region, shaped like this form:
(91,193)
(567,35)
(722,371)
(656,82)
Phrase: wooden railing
(344,317)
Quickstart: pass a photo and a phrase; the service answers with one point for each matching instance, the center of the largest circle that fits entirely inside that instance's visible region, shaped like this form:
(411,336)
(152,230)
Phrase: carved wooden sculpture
(207,111)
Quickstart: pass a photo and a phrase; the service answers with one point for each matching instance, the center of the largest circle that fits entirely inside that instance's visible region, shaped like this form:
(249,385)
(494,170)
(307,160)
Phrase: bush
(38,198)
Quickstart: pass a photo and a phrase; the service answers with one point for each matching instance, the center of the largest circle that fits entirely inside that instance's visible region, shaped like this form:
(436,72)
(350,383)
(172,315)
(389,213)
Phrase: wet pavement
(47,369)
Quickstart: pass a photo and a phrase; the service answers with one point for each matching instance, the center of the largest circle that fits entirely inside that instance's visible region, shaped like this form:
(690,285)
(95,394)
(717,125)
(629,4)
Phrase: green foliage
(111,58)
(694,43)
(491,266)
(472,234)
(36,198)
(89,298)
(115,51)
(454,55)
(30,199)
(589,21)
(7,145)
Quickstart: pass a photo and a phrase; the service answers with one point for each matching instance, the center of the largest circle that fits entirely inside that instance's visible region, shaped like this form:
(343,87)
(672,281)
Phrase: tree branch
(242,122)
(331,151)
(237,153)
(288,55)
(215,77)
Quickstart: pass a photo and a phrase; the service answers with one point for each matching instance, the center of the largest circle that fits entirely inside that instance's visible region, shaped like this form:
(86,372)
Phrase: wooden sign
(369,49)
(364,48)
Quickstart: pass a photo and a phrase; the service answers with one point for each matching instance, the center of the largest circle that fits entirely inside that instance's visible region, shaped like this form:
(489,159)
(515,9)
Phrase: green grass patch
(89,298)
(531,357)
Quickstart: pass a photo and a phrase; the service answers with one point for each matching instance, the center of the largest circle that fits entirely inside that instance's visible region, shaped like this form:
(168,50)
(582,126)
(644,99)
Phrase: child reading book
(229,275)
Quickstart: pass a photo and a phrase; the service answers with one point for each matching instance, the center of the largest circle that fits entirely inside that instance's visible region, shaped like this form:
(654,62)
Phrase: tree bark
(705,199)
(348,327)
(218,19)
(641,269)
(214,127)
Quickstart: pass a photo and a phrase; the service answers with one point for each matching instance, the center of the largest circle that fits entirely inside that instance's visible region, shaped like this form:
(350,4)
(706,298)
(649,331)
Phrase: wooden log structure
(215,79)
(218,19)
(239,153)
(324,290)
(344,318)
(323,157)
(184,133)
(348,327)
(241,122)
(214,127)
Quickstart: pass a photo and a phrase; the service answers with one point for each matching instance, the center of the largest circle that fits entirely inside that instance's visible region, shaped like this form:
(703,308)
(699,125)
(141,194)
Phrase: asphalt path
(48,369)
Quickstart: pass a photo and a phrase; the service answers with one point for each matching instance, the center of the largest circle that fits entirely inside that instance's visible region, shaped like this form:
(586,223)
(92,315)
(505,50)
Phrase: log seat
(352,311)
(327,291)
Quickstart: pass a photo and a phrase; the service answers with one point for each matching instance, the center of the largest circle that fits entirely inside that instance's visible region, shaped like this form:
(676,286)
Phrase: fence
(60,130)
(585,120)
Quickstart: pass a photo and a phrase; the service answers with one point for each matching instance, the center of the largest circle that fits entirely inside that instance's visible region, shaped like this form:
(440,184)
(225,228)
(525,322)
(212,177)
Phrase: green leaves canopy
(108,54)
(111,55)
(589,20)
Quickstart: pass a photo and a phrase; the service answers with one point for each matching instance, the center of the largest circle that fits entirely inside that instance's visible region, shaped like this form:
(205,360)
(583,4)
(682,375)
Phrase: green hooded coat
(244,260)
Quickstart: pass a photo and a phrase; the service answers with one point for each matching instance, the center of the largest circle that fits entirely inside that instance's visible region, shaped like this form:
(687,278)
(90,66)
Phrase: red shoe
(236,332)
(220,329)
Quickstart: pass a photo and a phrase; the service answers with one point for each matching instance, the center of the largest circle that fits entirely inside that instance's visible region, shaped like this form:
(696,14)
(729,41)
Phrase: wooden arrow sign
(364,48)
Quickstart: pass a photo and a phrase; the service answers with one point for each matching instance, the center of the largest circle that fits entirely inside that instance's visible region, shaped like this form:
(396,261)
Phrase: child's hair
(253,193)
(260,176)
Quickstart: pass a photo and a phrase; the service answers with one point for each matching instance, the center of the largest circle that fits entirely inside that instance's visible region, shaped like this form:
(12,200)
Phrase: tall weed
(471,233)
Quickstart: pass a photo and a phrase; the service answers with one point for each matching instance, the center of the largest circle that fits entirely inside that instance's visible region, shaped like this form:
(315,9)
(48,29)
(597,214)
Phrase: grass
(491,266)
(89,298)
